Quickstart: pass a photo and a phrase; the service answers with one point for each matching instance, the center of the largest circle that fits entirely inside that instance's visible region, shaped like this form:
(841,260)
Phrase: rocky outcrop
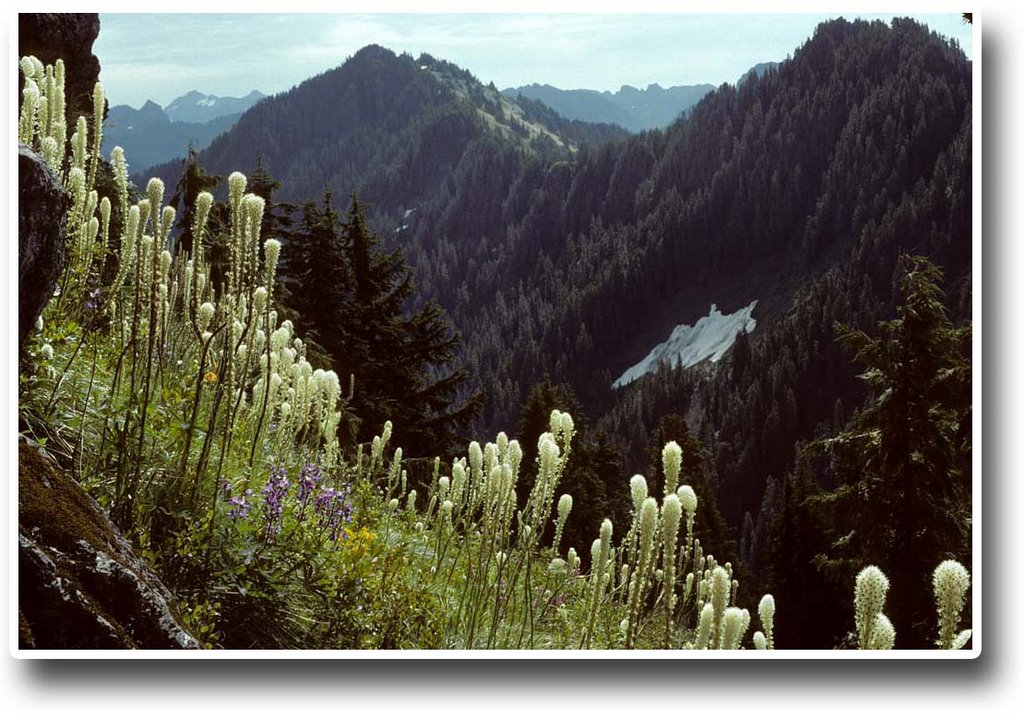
(42,207)
(68,36)
(79,583)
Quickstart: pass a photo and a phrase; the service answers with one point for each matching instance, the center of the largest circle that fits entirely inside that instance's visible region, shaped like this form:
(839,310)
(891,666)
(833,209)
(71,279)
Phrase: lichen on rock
(80,585)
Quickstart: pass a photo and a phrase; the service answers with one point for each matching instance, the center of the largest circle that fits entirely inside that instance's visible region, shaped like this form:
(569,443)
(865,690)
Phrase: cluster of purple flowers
(92,303)
(334,510)
(239,507)
(274,494)
(239,504)
(309,479)
(331,505)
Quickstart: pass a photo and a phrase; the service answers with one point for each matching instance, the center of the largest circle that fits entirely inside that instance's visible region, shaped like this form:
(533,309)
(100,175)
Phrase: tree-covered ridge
(388,127)
(738,201)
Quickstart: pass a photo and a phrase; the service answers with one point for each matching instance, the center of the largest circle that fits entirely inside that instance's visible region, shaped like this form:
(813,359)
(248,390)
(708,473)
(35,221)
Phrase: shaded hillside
(391,128)
(149,136)
(751,196)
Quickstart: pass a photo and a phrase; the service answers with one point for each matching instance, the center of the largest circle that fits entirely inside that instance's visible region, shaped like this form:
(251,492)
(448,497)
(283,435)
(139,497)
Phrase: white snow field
(709,338)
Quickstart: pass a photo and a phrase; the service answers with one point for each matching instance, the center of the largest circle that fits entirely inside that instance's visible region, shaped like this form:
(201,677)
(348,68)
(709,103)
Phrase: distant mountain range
(151,134)
(635,110)
(197,107)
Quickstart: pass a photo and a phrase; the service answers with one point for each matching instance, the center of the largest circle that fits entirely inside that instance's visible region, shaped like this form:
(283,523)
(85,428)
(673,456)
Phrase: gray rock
(42,209)
(68,36)
(80,585)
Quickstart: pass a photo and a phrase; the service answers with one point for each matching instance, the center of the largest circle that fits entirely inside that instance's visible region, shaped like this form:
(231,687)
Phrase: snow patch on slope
(687,346)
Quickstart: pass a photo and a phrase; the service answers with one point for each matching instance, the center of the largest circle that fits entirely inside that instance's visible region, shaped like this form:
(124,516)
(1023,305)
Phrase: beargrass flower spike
(99,104)
(271,250)
(869,599)
(639,578)
(883,635)
(732,629)
(671,513)
(598,571)
(950,581)
(638,490)
(155,195)
(719,587)
(564,507)
(766,612)
(704,626)
(672,460)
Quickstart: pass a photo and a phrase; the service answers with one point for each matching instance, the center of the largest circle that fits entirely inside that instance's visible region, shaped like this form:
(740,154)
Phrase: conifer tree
(402,362)
(807,602)
(594,475)
(316,279)
(905,501)
(350,297)
(193,180)
(715,534)
(277,216)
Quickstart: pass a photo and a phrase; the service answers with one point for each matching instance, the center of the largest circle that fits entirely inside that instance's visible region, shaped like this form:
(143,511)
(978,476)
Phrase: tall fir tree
(715,534)
(905,500)
(401,362)
(193,180)
(316,280)
(594,475)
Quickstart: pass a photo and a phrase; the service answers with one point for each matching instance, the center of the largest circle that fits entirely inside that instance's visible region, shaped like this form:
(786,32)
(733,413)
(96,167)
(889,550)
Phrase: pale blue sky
(160,57)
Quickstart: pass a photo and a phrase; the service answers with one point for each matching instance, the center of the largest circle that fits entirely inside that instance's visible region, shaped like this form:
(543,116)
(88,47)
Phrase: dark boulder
(68,36)
(42,208)
(79,583)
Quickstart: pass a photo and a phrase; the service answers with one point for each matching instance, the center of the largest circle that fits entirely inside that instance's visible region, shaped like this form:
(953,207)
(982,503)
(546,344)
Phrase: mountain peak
(757,71)
(195,106)
(374,52)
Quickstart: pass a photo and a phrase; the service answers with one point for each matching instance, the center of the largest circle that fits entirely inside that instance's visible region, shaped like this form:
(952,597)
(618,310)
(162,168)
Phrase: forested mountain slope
(391,128)
(569,251)
(574,257)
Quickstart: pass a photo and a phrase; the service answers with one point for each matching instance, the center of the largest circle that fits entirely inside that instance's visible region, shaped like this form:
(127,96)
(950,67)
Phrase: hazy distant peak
(629,107)
(758,70)
(195,106)
(150,107)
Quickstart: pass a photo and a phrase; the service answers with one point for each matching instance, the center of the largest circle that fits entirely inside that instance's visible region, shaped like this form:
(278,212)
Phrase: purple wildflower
(273,499)
(93,301)
(239,508)
(334,509)
(309,478)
